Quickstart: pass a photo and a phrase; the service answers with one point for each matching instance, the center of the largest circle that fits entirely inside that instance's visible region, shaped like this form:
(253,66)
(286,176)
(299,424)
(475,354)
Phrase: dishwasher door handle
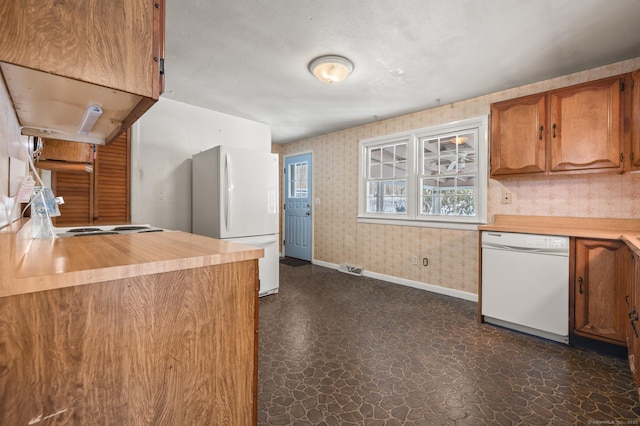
(532,250)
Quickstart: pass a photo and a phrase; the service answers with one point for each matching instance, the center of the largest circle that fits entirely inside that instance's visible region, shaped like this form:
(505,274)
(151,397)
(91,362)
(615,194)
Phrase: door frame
(283,237)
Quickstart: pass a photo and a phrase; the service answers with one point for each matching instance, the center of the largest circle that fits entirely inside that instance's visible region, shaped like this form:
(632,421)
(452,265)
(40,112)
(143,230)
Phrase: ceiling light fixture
(331,68)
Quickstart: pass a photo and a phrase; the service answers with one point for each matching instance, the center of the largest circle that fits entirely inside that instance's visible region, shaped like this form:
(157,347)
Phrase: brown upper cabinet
(60,57)
(571,130)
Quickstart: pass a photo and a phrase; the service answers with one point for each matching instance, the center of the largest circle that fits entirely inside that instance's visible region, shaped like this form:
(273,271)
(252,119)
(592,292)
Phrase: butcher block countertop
(31,265)
(627,230)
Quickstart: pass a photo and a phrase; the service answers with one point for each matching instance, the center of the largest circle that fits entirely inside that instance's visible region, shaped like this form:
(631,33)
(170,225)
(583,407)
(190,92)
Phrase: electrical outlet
(414,260)
(506,198)
(425,261)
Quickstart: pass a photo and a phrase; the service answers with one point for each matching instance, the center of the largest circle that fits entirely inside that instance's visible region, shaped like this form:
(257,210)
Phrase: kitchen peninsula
(152,328)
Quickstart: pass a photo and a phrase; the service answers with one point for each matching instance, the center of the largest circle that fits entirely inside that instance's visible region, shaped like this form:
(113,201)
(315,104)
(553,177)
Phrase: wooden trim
(65,166)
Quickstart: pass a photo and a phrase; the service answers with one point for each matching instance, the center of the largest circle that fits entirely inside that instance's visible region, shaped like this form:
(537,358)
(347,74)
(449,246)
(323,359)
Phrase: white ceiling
(249,58)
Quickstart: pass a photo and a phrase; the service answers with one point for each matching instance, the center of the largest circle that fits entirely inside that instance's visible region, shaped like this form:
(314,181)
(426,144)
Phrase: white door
(297,212)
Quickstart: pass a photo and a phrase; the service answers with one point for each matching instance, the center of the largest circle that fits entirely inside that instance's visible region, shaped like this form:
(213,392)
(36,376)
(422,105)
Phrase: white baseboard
(409,283)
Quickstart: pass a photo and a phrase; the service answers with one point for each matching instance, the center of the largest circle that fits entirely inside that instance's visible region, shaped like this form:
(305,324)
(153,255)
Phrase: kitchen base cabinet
(173,348)
(600,287)
(633,336)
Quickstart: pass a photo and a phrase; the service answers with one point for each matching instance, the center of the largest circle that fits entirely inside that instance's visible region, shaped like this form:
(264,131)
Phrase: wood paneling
(112,182)
(101,197)
(75,188)
(174,348)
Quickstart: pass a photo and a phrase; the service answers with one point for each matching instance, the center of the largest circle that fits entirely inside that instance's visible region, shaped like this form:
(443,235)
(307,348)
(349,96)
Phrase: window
(431,175)
(298,180)
(387,178)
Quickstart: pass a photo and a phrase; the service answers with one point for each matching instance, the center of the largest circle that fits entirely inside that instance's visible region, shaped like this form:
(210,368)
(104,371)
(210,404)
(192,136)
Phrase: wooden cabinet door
(601,283)
(114,43)
(633,336)
(518,136)
(587,126)
(76,189)
(100,197)
(112,182)
(634,83)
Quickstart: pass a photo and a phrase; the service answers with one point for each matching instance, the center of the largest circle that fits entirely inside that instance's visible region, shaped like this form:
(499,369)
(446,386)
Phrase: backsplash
(452,254)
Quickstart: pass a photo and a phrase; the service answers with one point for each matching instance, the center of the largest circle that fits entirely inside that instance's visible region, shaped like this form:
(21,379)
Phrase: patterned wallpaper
(452,254)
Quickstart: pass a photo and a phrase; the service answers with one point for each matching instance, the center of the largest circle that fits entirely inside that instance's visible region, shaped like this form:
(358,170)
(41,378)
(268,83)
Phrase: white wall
(12,145)
(162,143)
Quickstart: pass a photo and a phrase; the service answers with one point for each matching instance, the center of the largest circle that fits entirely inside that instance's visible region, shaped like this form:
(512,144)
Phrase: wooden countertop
(627,230)
(31,265)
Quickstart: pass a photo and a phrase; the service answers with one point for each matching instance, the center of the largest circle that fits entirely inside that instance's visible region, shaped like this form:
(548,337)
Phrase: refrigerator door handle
(229,191)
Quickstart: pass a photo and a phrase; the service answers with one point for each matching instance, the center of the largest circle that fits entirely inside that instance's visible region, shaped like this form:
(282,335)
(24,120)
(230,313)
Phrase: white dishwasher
(525,283)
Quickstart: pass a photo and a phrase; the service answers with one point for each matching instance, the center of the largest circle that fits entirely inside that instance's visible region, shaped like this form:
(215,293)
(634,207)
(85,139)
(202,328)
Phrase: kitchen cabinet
(64,155)
(102,196)
(601,286)
(518,138)
(574,129)
(141,329)
(59,57)
(633,336)
(634,117)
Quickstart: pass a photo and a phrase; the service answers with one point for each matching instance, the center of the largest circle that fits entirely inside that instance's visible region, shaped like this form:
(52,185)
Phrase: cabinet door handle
(633,316)
(541,130)
(554,130)
(580,281)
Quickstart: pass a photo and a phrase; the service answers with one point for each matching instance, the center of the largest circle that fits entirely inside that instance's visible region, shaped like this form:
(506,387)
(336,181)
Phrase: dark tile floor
(337,349)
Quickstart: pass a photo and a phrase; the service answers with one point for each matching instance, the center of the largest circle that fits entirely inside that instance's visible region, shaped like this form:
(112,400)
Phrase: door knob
(308,213)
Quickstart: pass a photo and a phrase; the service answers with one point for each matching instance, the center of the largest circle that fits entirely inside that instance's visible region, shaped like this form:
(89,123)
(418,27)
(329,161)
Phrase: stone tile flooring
(337,349)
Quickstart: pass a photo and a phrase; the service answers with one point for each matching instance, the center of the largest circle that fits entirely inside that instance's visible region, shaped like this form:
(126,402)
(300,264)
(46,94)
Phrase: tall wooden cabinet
(100,197)
(600,290)
(574,129)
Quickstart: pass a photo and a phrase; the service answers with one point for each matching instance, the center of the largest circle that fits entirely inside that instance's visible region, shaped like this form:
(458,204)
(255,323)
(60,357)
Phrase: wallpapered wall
(453,254)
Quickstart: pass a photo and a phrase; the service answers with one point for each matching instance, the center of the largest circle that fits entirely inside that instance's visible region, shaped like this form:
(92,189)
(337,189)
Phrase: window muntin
(387,178)
(297,184)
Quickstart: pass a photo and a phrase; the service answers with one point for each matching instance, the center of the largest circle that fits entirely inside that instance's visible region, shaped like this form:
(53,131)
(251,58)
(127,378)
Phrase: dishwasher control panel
(546,241)
(554,244)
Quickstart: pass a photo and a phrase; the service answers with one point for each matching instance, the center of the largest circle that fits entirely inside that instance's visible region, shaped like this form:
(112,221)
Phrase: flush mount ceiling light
(331,68)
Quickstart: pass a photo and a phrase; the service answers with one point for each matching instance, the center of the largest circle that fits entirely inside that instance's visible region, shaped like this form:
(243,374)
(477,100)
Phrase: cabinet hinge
(622,157)
(284,207)
(161,66)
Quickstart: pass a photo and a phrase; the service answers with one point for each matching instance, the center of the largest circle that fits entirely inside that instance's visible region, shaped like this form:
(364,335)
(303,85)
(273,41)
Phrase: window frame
(413,216)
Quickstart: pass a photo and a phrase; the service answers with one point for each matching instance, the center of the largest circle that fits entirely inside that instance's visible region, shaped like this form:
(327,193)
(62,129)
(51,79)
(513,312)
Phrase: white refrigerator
(235,198)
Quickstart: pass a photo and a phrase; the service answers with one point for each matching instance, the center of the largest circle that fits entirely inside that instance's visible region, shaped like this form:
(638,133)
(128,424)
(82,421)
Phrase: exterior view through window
(435,174)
